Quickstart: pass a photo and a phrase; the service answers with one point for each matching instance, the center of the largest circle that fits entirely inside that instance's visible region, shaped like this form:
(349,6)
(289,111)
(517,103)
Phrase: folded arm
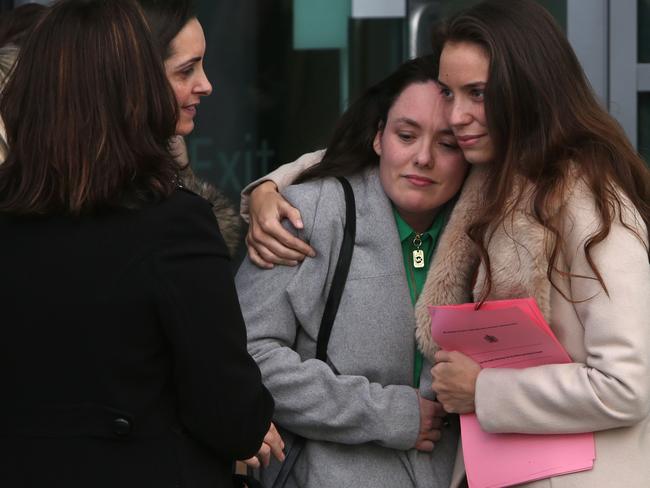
(611,387)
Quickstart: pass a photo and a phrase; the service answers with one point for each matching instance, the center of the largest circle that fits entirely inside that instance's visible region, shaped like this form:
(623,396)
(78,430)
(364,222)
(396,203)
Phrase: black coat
(123,356)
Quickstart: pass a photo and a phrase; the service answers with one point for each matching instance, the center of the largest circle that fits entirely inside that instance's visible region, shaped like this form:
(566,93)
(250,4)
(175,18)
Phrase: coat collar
(518,252)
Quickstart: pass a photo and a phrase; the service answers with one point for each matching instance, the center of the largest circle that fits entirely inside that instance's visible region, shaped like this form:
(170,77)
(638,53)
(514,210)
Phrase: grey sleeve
(282,177)
(310,399)
(426,379)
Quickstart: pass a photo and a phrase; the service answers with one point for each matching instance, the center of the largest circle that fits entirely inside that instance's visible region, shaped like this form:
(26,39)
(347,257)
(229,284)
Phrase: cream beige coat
(607,387)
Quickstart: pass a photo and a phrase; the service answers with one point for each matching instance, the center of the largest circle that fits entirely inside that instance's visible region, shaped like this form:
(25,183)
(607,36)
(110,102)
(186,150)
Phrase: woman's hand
(268,242)
(454,381)
(431,417)
(272,445)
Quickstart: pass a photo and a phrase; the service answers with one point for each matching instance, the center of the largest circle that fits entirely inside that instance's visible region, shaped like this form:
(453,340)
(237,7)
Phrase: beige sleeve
(611,388)
(282,177)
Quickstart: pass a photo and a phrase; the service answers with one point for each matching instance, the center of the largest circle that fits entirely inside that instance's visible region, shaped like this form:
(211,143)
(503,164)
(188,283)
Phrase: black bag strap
(340,272)
(329,314)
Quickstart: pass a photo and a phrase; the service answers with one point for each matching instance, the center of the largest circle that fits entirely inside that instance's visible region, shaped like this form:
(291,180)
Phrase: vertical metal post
(422,16)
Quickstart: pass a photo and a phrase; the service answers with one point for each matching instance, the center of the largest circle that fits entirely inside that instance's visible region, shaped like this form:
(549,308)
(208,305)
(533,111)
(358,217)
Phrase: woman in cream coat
(606,388)
(562,215)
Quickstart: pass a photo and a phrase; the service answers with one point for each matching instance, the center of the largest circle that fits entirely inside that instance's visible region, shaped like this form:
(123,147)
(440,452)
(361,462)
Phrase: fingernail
(299,224)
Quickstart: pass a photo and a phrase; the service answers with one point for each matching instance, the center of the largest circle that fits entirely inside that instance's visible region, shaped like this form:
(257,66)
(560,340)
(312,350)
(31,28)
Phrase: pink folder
(512,334)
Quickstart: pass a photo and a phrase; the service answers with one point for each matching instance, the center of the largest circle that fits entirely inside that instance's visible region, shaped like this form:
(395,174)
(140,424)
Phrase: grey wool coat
(361,424)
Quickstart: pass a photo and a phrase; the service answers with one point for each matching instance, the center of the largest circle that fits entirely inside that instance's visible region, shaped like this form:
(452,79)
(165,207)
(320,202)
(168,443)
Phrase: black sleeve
(222,401)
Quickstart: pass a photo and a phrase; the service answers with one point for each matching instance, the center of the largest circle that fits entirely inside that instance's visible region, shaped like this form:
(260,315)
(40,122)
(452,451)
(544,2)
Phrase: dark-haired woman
(366,425)
(181,44)
(123,359)
(563,216)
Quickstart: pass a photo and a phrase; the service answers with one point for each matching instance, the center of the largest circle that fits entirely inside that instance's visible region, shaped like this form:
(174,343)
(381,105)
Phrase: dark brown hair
(166,18)
(350,149)
(89,113)
(544,120)
(16,24)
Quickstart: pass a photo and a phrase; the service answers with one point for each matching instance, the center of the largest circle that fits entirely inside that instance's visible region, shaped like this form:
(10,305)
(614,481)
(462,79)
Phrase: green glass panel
(644,126)
(320,24)
(644,31)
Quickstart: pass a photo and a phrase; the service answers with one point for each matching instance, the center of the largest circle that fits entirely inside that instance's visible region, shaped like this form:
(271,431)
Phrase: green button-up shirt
(417,276)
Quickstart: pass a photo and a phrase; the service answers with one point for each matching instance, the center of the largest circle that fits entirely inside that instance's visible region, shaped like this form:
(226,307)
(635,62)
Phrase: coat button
(121,427)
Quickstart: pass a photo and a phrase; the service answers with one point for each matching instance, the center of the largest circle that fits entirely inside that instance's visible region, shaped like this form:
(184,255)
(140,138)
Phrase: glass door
(282,71)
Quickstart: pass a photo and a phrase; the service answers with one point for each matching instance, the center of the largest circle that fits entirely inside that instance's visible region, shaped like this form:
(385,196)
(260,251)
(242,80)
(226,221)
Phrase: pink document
(509,334)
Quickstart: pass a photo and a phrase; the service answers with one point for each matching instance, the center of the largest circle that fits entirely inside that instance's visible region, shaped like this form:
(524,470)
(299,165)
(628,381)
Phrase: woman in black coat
(123,354)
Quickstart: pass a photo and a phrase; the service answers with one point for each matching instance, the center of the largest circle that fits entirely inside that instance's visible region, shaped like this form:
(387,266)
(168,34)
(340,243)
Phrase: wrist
(267,186)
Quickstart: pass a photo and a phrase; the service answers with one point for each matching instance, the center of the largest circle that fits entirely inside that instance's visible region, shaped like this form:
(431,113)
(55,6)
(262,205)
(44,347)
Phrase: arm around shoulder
(282,177)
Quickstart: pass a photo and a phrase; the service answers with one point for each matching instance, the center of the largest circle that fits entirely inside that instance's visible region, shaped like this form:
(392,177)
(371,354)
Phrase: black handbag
(329,314)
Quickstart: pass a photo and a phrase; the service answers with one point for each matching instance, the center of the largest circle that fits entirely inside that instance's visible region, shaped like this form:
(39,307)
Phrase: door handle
(421,21)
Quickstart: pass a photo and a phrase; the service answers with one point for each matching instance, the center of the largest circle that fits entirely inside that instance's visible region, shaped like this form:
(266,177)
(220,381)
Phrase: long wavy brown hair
(544,121)
(89,113)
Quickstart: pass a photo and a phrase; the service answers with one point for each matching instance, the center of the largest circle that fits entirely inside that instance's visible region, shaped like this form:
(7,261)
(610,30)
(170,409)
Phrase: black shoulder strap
(340,273)
(331,307)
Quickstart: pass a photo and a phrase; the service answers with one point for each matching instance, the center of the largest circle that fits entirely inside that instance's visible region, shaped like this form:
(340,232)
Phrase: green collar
(405,231)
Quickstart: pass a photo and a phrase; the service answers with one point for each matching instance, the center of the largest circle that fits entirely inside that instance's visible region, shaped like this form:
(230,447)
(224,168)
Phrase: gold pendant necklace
(418,254)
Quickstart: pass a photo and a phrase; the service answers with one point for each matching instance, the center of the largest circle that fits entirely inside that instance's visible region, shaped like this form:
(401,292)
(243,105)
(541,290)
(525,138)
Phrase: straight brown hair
(89,113)
(544,121)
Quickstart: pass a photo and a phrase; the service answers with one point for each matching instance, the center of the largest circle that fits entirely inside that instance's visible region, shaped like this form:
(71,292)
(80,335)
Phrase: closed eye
(449,145)
(406,136)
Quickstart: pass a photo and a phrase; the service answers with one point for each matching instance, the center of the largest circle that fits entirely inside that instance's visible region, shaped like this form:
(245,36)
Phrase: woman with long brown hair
(123,359)
(563,216)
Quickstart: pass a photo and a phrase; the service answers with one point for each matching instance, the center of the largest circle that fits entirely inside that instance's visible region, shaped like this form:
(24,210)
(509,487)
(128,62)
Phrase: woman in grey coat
(366,425)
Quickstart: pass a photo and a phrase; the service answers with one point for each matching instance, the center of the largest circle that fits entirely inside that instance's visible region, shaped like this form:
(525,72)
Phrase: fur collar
(518,255)
(227,217)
